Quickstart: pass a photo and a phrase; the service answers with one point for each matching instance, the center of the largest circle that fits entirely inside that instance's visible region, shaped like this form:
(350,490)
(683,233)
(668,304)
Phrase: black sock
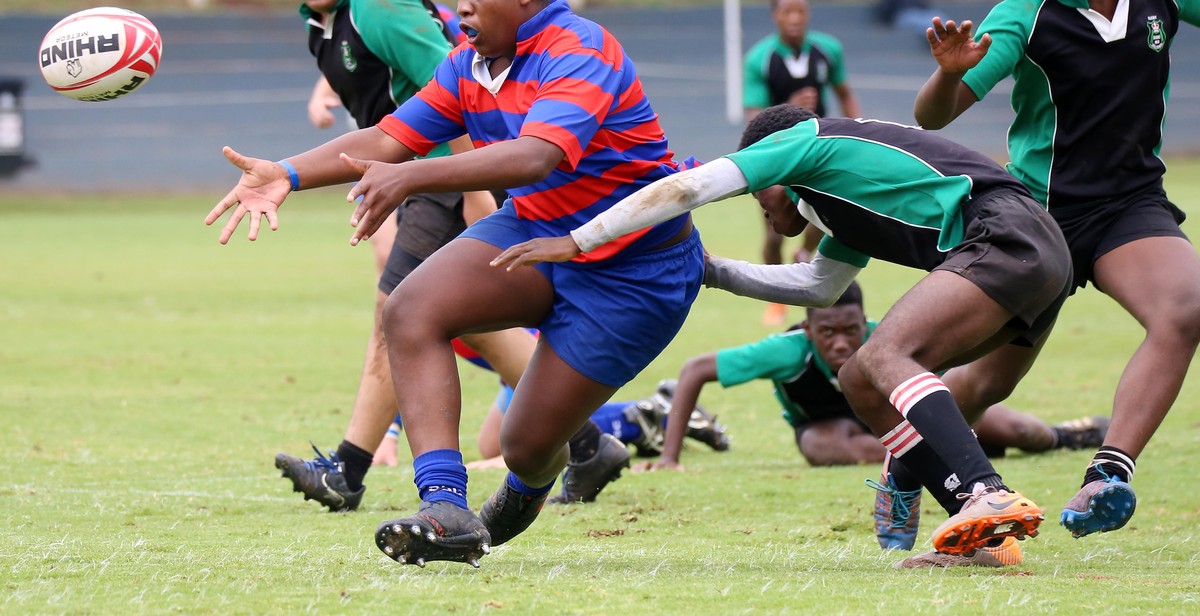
(1113,462)
(585,443)
(928,406)
(356,461)
(920,465)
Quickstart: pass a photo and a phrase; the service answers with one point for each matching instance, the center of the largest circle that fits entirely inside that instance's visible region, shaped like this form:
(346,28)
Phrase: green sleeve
(776,357)
(1009,24)
(777,158)
(404,36)
(1189,11)
(832,48)
(755,94)
(838,251)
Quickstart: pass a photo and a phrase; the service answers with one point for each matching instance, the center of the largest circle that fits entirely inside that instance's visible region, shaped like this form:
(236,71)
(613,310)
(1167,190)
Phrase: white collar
(479,70)
(1110,30)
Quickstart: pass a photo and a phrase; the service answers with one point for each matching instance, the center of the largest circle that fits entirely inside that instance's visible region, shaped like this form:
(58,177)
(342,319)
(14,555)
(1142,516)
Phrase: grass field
(149,375)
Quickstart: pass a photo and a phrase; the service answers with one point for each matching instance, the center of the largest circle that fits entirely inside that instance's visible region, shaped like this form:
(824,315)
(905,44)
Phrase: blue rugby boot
(1100,506)
(440,530)
(897,514)
(320,479)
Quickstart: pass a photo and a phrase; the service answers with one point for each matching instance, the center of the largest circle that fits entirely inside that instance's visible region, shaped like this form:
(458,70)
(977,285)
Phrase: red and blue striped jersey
(570,84)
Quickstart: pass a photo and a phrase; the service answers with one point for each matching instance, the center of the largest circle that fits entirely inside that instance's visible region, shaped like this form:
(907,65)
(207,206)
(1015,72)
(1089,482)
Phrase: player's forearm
(321,166)
(817,283)
(937,101)
(499,166)
(661,201)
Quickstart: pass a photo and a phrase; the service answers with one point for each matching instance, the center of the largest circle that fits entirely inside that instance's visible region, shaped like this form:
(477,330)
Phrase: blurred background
(238,73)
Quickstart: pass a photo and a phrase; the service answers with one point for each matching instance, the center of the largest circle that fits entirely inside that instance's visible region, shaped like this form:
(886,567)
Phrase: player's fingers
(273,220)
(239,161)
(985,42)
(255,219)
(931,36)
(221,207)
(231,226)
(360,166)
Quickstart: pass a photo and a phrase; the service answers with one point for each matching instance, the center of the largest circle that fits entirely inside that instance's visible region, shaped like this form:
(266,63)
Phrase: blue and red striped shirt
(570,84)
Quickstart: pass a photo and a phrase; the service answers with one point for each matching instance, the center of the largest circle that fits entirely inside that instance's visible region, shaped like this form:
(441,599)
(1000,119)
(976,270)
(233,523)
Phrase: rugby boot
(439,531)
(320,479)
(1082,433)
(647,417)
(1100,506)
(702,425)
(897,514)
(583,481)
(508,513)
(1007,554)
(989,513)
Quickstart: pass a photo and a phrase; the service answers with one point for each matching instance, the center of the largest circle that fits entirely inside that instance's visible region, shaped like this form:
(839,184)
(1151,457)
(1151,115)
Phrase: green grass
(149,375)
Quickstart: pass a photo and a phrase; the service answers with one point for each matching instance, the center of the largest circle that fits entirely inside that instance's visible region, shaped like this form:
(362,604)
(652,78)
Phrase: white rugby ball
(100,54)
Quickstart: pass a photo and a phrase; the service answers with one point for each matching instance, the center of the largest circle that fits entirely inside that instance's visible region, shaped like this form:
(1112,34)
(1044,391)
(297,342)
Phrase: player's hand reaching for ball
(260,191)
(954,48)
(538,250)
(382,188)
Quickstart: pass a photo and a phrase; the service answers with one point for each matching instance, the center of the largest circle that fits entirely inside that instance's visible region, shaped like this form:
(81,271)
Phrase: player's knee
(1178,320)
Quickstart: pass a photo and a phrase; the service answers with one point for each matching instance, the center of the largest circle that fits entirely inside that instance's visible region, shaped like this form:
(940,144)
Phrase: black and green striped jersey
(1090,94)
(877,189)
(376,54)
(773,71)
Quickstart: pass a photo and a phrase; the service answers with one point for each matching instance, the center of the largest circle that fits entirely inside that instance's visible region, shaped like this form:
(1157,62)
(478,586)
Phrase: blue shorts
(610,319)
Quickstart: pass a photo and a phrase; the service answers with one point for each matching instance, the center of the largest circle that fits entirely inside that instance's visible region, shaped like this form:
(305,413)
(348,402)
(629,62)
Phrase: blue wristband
(293,177)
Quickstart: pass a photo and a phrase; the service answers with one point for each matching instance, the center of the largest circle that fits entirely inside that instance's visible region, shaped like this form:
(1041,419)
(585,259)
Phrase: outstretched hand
(381,189)
(953,47)
(260,191)
(538,250)
(650,466)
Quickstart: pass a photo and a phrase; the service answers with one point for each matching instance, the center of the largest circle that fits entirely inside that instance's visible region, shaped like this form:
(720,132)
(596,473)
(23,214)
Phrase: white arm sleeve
(661,201)
(817,284)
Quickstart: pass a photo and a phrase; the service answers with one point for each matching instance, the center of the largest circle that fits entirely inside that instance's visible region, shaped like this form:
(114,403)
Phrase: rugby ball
(100,54)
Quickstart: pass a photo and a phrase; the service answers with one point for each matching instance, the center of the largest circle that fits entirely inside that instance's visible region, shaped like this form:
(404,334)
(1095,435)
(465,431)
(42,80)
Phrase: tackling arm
(817,283)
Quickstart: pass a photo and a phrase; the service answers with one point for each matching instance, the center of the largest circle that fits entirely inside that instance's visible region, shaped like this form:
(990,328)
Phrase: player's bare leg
(1165,299)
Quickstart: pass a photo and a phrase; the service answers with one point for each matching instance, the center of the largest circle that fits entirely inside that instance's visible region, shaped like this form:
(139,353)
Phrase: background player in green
(998,272)
(798,66)
(1090,92)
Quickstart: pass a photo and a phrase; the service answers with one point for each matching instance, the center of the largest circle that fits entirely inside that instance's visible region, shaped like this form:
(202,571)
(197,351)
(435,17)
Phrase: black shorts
(425,222)
(1013,251)
(1095,229)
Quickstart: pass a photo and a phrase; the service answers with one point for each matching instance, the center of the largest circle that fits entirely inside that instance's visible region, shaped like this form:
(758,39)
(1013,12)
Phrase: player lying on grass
(559,119)
(803,362)
(998,273)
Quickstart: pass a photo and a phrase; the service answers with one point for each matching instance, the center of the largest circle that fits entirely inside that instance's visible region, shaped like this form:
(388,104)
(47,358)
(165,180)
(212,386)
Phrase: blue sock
(520,486)
(441,476)
(611,419)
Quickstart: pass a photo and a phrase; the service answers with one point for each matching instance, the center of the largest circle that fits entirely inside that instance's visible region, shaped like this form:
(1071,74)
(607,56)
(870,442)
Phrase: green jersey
(877,189)
(773,70)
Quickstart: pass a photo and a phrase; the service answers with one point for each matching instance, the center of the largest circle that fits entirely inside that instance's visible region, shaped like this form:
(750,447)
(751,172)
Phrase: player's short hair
(773,120)
(774,5)
(852,296)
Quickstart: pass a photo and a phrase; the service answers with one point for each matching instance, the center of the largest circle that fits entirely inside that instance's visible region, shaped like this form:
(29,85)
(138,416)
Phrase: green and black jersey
(376,54)
(805,386)
(1090,95)
(877,189)
(773,70)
